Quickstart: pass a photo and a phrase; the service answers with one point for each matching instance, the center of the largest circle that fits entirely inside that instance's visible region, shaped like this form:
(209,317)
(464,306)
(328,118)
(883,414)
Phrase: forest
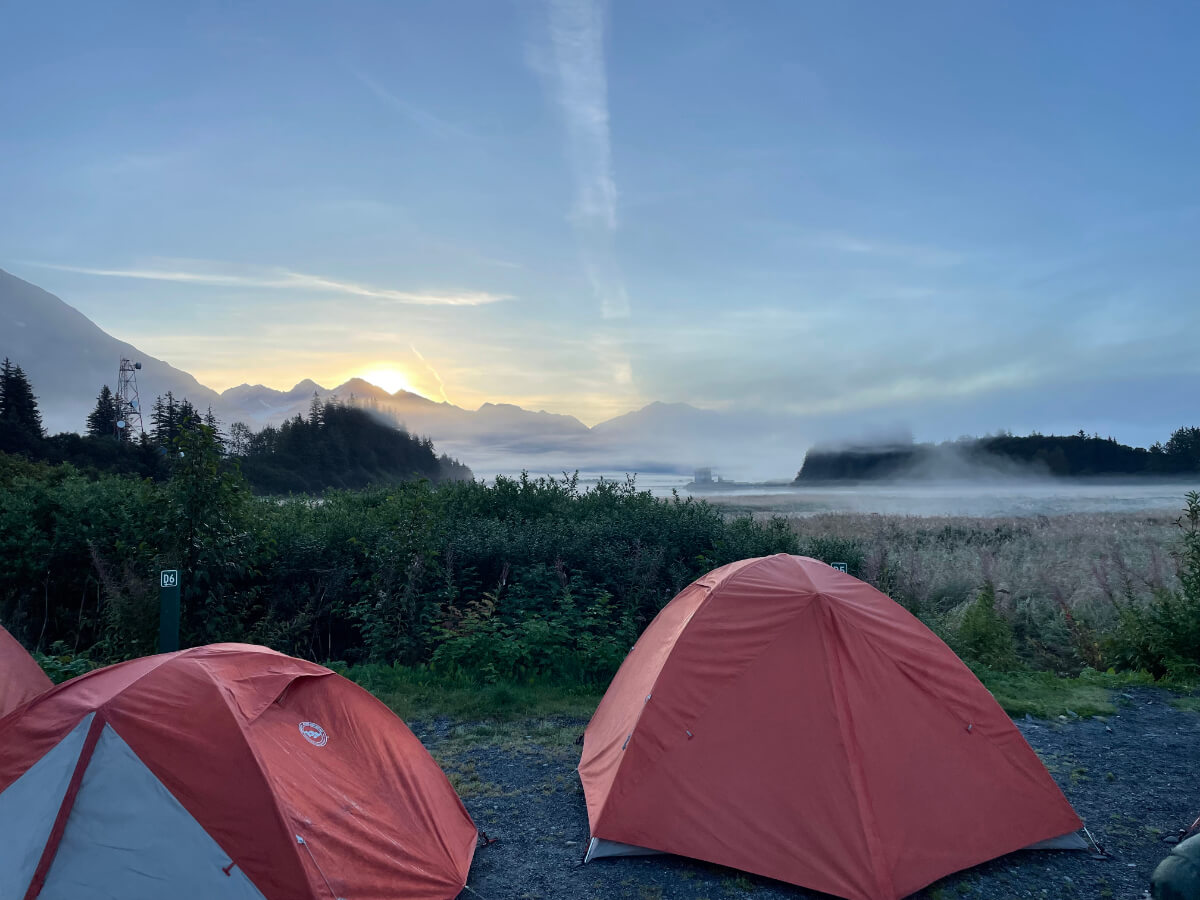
(337,445)
(1077,455)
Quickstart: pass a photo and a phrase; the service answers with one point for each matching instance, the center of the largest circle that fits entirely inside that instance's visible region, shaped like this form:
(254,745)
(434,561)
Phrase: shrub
(62,663)
(983,637)
(1162,636)
(524,578)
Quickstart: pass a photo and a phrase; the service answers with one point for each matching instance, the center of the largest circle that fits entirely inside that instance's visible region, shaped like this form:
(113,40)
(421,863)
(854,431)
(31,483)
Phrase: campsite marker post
(841,567)
(168,610)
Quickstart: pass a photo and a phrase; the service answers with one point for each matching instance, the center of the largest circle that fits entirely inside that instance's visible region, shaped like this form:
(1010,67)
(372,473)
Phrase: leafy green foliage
(983,636)
(524,579)
(62,663)
(1162,636)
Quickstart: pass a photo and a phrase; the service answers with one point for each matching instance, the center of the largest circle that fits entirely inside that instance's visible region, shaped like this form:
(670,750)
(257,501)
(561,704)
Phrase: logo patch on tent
(314,734)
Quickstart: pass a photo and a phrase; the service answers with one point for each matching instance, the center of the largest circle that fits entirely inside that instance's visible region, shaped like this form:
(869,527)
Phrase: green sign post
(168,610)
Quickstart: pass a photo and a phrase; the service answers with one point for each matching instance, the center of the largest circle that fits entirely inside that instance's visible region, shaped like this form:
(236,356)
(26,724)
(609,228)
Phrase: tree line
(1076,455)
(338,445)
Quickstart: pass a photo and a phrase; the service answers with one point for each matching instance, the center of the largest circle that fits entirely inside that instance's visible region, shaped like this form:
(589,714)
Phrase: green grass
(1046,695)
(1191,704)
(519,713)
(419,694)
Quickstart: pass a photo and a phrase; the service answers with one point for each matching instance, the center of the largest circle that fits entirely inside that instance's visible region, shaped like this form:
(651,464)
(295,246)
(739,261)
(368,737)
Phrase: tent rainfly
(784,718)
(21,679)
(223,771)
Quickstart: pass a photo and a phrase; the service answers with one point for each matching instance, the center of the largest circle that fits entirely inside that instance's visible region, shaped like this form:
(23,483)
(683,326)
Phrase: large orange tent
(21,678)
(223,771)
(784,718)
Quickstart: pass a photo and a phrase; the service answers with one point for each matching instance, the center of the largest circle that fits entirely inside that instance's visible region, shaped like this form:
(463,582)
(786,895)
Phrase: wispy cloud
(915,254)
(579,81)
(417,115)
(284,279)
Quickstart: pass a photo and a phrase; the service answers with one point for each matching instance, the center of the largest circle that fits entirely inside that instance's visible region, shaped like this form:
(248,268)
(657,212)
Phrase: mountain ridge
(49,338)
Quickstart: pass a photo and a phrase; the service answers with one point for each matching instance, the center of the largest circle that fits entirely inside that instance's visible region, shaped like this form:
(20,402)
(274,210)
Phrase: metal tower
(129,407)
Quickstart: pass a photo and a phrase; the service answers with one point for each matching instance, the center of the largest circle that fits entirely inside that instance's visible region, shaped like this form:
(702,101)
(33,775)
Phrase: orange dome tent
(21,678)
(223,771)
(784,718)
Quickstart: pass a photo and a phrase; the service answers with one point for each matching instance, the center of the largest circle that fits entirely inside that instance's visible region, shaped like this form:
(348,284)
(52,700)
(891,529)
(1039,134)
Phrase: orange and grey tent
(21,678)
(223,771)
(786,719)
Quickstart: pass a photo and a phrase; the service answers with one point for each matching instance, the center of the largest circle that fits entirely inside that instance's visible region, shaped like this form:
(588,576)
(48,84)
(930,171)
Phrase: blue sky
(943,213)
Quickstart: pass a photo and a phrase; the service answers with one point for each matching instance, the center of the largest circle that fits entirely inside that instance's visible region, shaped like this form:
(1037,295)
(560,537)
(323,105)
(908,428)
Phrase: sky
(964,216)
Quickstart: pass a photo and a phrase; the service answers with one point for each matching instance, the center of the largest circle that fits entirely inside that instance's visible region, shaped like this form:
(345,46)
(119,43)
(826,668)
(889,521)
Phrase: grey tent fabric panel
(1072,840)
(598,848)
(29,807)
(128,838)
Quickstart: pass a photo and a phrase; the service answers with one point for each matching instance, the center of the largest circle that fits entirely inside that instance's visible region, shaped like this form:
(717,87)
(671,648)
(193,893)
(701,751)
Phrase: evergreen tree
(18,405)
(214,426)
(1182,450)
(186,418)
(164,420)
(102,421)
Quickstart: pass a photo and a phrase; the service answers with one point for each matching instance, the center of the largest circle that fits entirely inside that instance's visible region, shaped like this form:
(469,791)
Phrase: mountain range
(68,357)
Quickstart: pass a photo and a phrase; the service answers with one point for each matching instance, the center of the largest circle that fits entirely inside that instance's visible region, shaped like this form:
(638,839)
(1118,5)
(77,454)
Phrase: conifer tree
(164,420)
(18,405)
(102,421)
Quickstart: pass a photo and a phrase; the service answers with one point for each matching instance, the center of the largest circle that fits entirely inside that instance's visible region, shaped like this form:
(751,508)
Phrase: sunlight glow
(391,380)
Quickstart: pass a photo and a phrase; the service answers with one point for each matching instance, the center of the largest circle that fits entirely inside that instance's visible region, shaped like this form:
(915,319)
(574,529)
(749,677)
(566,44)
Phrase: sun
(391,380)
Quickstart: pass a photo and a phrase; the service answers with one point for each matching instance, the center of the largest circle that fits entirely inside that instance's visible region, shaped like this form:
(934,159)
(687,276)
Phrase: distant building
(703,476)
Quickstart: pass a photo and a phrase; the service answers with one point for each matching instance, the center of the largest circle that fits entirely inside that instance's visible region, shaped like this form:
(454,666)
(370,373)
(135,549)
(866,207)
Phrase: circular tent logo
(314,734)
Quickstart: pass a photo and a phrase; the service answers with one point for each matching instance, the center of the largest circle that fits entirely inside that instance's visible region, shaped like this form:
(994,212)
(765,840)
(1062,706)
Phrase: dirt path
(1133,778)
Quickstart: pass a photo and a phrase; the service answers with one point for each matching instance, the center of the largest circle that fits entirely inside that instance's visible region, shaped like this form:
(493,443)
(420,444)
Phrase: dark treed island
(1076,456)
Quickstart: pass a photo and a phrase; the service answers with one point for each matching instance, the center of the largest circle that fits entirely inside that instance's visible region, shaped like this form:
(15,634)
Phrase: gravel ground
(1133,777)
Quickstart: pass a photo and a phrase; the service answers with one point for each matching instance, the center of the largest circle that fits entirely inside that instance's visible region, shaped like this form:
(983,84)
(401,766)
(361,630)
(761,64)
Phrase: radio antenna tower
(129,407)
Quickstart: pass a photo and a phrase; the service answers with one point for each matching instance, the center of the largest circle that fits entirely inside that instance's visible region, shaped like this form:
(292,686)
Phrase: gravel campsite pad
(1134,777)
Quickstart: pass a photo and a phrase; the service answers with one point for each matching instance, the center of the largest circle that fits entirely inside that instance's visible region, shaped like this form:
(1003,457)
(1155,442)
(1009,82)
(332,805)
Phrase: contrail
(432,371)
(580,84)
(284,279)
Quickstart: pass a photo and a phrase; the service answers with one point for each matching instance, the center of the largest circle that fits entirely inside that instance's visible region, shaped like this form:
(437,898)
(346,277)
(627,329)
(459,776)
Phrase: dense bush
(983,637)
(1162,635)
(523,579)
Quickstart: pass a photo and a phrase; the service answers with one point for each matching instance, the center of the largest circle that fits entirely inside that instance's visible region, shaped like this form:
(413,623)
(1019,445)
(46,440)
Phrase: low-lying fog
(998,497)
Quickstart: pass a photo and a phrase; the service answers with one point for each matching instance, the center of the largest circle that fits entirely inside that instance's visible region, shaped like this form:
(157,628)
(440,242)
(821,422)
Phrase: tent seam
(711,593)
(283,820)
(66,807)
(882,878)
